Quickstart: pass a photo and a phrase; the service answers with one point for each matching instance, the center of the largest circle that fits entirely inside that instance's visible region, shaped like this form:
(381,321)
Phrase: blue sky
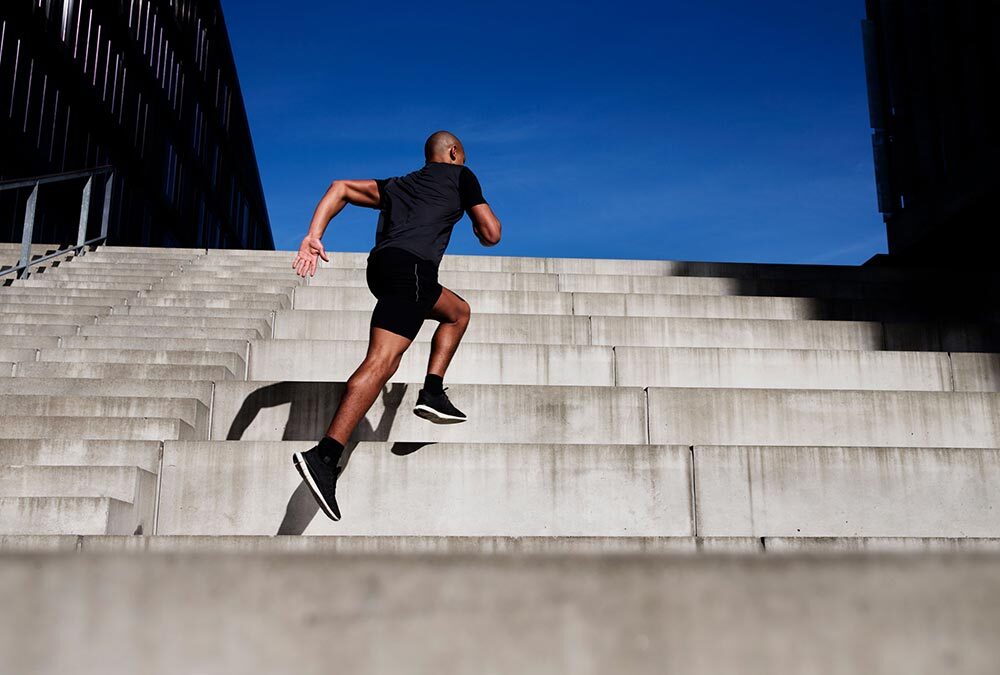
(717,130)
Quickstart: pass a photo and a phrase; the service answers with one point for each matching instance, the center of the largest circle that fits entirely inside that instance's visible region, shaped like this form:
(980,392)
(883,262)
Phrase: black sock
(330,450)
(434,384)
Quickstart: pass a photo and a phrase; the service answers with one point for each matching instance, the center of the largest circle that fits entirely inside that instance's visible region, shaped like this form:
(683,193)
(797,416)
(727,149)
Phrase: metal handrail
(25,261)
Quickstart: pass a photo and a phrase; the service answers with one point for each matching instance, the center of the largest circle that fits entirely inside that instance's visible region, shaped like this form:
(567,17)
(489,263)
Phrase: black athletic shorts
(406,287)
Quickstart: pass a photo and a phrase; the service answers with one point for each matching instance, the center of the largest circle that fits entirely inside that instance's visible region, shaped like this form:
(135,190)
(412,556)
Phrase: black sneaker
(437,408)
(320,474)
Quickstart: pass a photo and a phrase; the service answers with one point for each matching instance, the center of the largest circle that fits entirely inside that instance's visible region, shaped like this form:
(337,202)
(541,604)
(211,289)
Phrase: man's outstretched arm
(340,194)
(485,224)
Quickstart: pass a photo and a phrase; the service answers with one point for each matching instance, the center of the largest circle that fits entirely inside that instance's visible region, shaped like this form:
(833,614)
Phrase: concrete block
(85,428)
(566,614)
(477,363)
(26,309)
(76,452)
(25,336)
(438,490)
(184,344)
(493,328)
(847,492)
(6,369)
(497,413)
(835,418)
(20,293)
(14,543)
(171,332)
(67,515)
(737,333)
(782,369)
(233,362)
(192,411)
(117,371)
(67,386)
(881,545)
(72,284)
(976,372)
(444,546)
(48,319)
(124,483)
(10,354)
(230,322)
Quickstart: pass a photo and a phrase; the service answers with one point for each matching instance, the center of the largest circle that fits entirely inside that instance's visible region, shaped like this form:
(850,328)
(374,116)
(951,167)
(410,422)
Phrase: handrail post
(26,233)
(81,235)
(106,215)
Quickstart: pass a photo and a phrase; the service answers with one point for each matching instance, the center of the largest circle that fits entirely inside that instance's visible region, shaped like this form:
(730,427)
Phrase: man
(417,214)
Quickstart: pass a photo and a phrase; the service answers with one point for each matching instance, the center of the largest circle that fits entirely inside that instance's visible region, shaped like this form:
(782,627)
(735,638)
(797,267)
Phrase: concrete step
(621,304)
(11,310)
(86,428)
(503,413)
(207,292)
(839,418)
(620,331)
(216,312)
(48,319)
(440,489)
(124,483)
(263,327)
(33,336)
(133,371)
(72,284)
(57,302)
(75,452)
(10,339)
(19,293)
(191,411)
(190,332)
(6,369)
(445,546)
(497,281)
(183,344)
(10,354)
(846,492)
(66,386)
(68,515)
(677,416)
(229,360)
(614,613)
(493,546)
(481,363)
(577,490)
(200,301)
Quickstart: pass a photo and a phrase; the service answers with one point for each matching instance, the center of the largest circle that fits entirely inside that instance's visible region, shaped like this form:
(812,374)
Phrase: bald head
(444,146)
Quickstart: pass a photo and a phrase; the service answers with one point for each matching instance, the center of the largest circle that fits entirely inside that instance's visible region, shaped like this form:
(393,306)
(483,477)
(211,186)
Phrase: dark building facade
(933,70)
(146,86)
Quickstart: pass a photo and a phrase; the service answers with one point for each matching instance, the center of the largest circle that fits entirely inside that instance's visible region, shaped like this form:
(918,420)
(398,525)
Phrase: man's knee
(464,312)
(382,364)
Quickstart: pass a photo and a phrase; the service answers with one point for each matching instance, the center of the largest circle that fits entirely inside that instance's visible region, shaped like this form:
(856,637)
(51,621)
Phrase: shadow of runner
(306,398)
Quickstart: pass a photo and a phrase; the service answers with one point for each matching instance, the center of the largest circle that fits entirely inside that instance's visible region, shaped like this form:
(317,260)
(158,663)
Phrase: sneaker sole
(303,468)
(432,415)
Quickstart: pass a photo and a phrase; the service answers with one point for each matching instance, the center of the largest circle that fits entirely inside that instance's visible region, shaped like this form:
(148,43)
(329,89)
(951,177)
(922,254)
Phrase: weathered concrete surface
(976,372)
(75,452)
(233,362)
(487,546)
(903,545)
(562,614)
(847,492)
(69,515)
(782,369)
(35,406)
(432,490)
(107,428)
(481,363)
(835,418)
(119,371)
(294,411)
(67,386)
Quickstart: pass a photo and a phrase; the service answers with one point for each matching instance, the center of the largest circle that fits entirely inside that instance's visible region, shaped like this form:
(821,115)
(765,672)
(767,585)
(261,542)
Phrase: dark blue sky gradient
(719,130)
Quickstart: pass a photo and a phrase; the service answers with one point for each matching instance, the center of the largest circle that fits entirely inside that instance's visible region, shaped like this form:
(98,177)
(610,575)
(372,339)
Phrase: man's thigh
(449,308)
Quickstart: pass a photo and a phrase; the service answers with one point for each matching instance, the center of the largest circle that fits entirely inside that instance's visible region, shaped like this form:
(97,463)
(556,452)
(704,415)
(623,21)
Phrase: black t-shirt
(419,210)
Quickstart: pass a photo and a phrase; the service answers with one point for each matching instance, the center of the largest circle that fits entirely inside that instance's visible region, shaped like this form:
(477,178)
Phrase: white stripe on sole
(300,464)
(432,415)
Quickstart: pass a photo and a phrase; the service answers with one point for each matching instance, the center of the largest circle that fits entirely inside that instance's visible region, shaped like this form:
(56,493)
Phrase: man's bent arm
(485,224)
(340,194)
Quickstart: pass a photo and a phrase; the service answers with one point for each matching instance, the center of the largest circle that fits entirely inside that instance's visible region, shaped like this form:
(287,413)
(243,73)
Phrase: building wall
(933,70)
(147,86)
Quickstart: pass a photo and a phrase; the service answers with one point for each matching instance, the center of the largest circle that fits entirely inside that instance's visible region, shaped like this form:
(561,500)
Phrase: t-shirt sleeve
(382,182)
(469,190)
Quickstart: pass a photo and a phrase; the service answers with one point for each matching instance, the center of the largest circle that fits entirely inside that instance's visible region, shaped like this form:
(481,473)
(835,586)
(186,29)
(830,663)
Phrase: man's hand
(305,261)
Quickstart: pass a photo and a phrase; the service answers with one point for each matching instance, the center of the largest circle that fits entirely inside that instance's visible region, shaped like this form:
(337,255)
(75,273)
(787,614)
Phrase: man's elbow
(490,237)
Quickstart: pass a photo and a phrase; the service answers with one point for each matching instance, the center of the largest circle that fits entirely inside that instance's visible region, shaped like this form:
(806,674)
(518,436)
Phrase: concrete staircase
(622,414)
